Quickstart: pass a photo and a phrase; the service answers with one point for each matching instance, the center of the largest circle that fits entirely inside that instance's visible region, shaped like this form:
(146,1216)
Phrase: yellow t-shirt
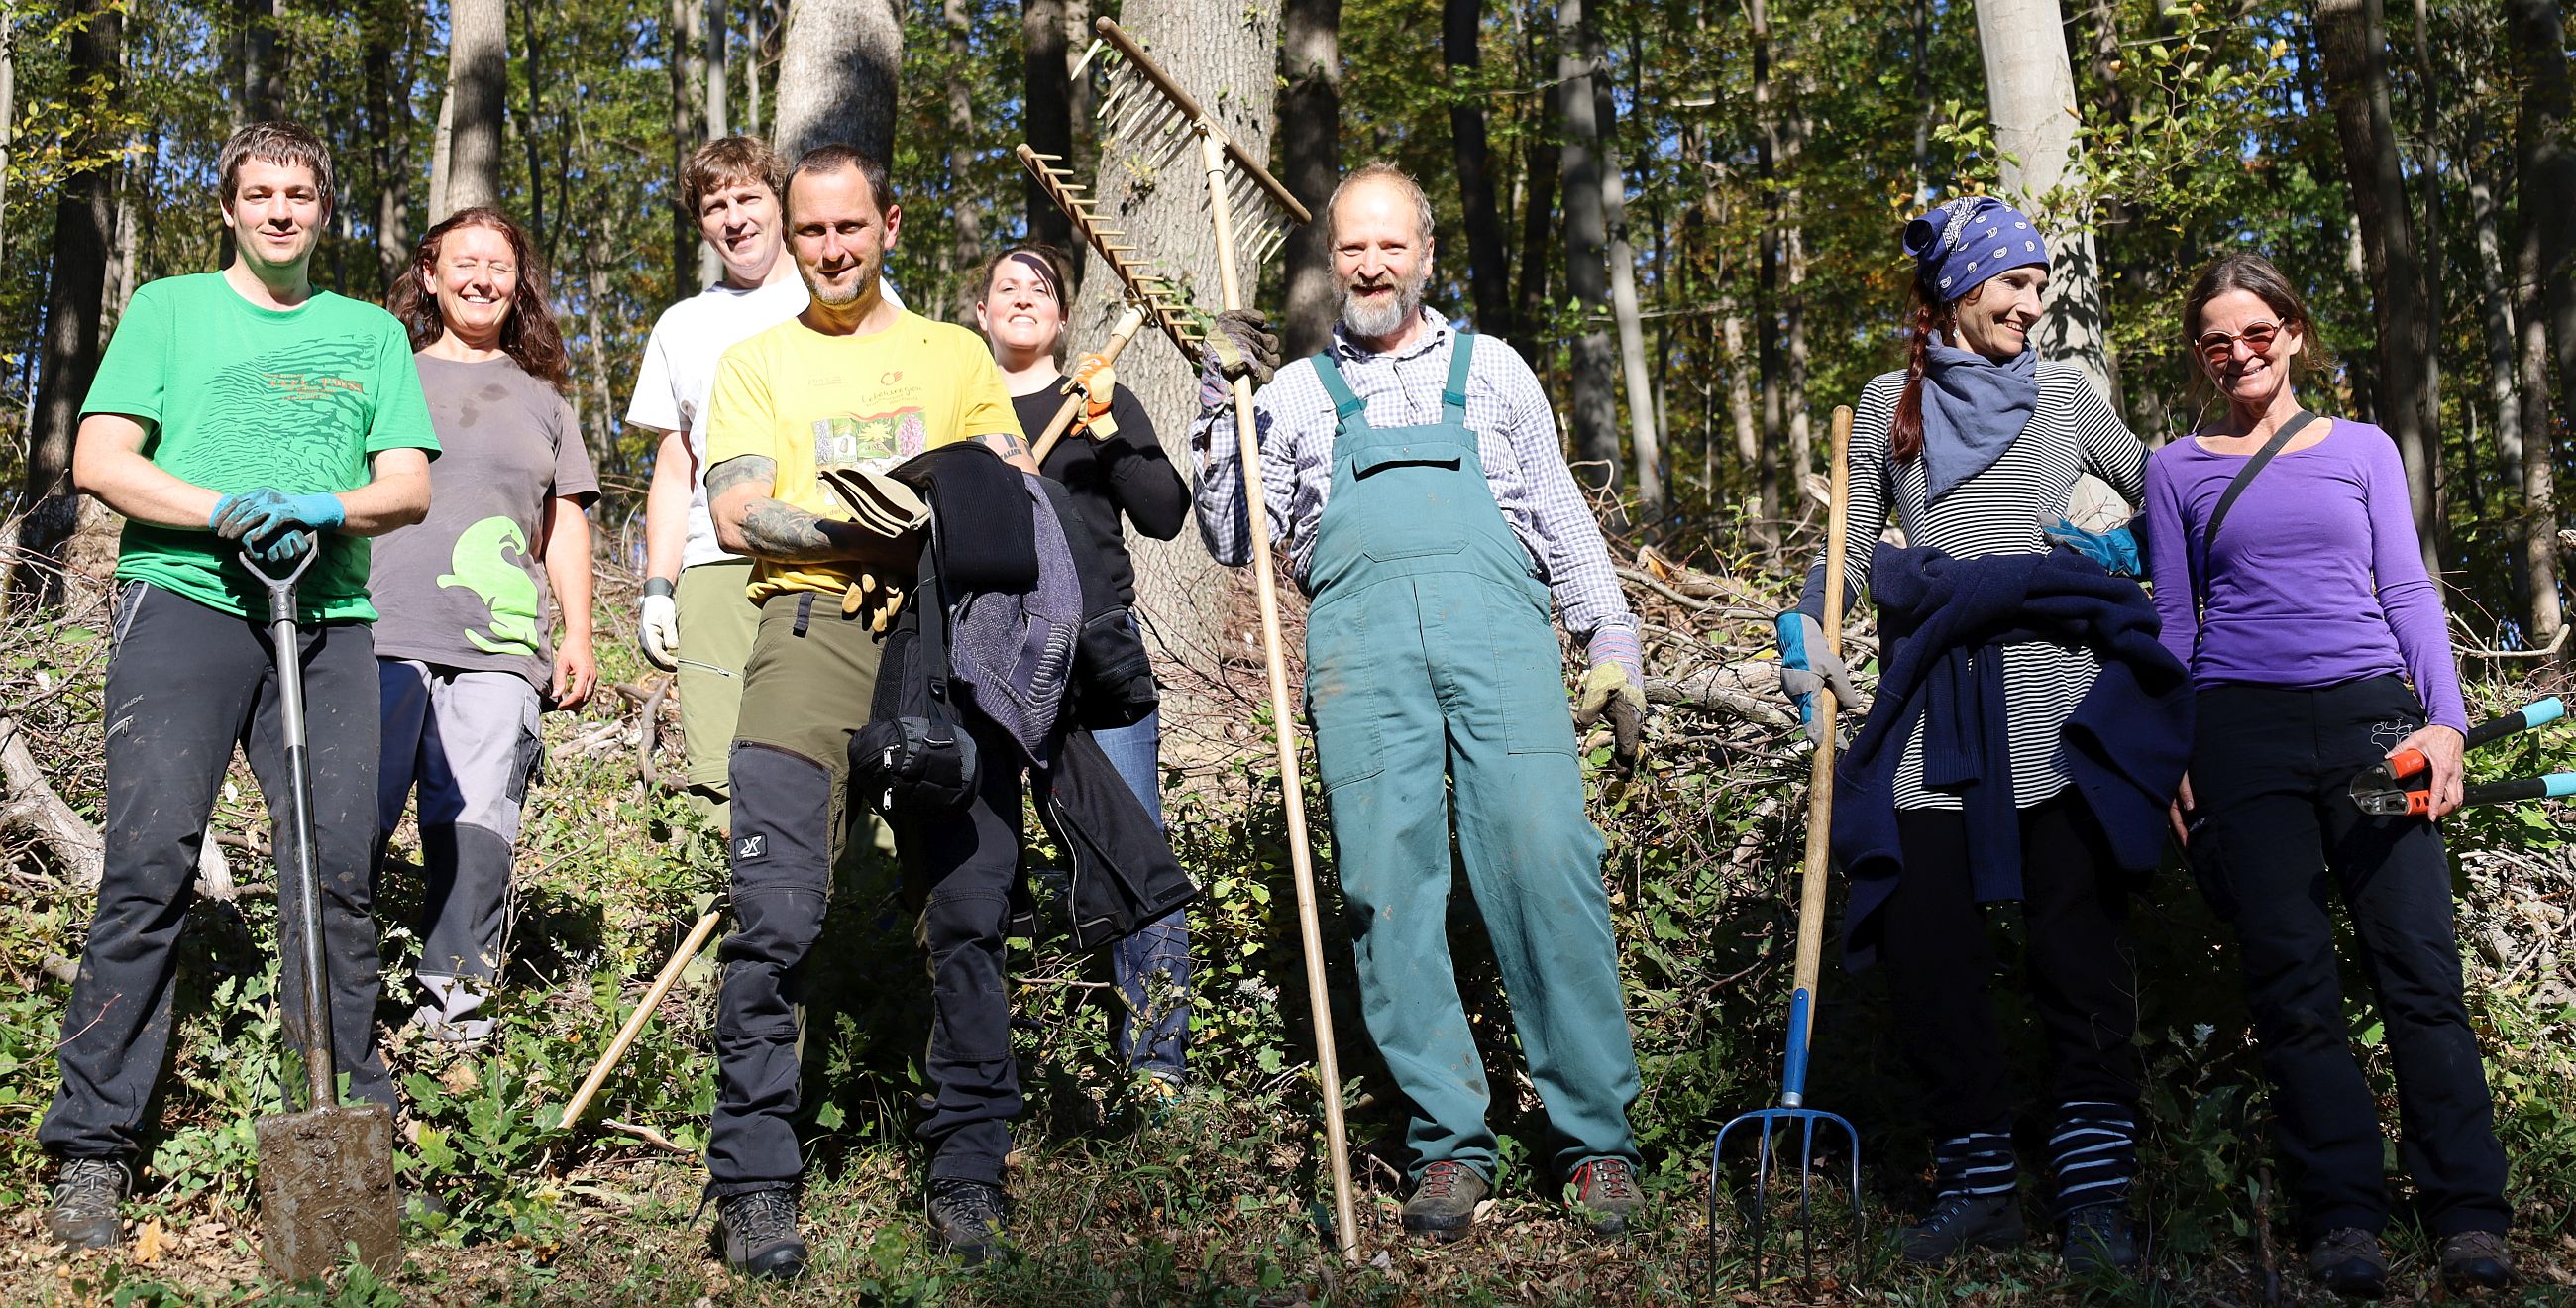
(809,401)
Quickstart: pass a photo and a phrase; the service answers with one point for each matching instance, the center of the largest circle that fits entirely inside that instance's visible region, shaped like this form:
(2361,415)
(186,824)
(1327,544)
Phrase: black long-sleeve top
(1124,473)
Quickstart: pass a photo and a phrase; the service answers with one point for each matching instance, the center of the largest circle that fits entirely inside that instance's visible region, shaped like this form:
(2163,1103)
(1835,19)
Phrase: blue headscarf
(1973,406)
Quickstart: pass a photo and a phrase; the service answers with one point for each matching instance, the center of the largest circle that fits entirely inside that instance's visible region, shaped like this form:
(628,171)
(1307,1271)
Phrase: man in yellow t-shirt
(853,380)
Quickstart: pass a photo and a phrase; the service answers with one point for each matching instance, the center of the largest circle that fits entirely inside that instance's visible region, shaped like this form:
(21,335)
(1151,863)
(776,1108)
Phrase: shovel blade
(326,1181)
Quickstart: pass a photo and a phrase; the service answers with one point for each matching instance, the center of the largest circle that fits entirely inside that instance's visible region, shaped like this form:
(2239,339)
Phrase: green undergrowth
(1219,1199)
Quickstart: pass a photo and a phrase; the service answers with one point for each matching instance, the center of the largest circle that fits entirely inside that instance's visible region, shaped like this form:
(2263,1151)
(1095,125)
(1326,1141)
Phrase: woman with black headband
(1976,445)
(1114,468)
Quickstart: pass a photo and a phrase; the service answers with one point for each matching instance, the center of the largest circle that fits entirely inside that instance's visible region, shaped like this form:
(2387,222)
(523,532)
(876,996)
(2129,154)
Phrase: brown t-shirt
(465,587)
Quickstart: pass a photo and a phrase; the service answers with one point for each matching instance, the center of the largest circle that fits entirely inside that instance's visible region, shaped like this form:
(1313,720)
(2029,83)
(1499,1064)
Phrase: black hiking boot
(2475,1260)
(2347,1260)
(968,1215)
(2099,1237)
(757,1232)
(1959,1222)
(1606,1195)
(83,1214)
(1444,1201)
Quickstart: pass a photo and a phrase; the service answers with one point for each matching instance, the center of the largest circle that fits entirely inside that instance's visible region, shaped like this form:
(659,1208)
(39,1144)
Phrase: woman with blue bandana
(1975,445)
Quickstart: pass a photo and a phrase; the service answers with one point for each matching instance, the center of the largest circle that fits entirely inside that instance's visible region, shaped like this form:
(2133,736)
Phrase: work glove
(1240,344)
(266,520)
(1611,689)
(1097,381)
(1806,666)
(657,627)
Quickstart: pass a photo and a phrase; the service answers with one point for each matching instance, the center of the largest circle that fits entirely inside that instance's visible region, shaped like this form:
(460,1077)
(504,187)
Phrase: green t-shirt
(234,397)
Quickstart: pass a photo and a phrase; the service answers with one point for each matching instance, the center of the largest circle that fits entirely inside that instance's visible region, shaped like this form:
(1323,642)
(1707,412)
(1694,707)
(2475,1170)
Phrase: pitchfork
(1792,1116)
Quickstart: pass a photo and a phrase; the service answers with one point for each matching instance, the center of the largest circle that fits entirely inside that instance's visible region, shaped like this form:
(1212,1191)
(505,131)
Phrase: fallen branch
(650,1136)
(29,803)
(1723,688)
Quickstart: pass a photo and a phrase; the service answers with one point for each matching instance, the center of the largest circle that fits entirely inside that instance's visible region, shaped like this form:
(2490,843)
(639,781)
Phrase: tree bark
(690,256)
(2428,175)
(262,84)
(8,111)
(837,76)
(1594,413)
(69,349)
(388,115)
(964,218)
(1643,442)
(1766,300)
(1185,596)
(1489,271)
(2546,157)
(719,112)
(1046,95)
(2352,36)
(2496,326)
(2030,94)
(1310,151)
(478,59)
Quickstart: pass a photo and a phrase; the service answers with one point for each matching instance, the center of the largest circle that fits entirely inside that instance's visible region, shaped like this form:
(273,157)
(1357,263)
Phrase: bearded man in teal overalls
(1416,489)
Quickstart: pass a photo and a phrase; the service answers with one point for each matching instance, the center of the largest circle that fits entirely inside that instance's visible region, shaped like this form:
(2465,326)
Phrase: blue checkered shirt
(1516,437)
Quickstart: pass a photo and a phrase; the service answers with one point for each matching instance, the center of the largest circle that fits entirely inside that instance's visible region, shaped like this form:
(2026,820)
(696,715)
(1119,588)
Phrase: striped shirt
(1998,511)
(1515,437)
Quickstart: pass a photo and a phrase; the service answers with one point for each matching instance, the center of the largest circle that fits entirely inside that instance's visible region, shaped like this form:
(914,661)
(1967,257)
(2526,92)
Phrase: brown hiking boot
(1606,1195)
(2475,1260)
(1444,1201)
(83,1214)
(2349,1261)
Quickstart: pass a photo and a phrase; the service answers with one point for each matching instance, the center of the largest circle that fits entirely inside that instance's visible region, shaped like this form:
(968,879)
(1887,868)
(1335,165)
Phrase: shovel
(326,1175)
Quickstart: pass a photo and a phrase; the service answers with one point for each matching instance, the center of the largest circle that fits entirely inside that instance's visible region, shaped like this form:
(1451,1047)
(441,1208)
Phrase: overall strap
(1346,405)
(1453,397)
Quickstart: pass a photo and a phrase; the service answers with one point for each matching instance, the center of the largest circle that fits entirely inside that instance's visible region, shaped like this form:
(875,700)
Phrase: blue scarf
(1972,408)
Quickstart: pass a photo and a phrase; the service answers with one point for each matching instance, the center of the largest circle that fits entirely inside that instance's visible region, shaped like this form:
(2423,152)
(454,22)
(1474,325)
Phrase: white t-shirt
(679,369)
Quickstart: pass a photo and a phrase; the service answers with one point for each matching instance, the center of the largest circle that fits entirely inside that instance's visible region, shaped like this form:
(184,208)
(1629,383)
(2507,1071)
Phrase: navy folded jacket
(1944,622)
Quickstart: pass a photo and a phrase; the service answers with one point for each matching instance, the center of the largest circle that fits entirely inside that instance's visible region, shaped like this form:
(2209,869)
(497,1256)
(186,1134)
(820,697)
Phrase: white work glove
(658,626)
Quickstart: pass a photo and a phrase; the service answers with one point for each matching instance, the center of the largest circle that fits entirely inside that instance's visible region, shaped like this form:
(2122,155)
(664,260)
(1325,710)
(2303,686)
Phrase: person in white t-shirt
(691,584)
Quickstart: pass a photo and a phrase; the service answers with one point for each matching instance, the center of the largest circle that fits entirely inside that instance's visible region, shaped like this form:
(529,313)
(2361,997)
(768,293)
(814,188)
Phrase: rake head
(1164,304)
(1148,125)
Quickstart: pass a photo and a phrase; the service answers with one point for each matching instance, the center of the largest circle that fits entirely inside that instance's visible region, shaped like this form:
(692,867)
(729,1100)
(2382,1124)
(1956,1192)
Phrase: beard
(1384,318)
(861,278)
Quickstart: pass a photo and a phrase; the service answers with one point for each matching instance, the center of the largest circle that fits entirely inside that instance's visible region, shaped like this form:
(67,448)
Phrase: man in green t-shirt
(234,411)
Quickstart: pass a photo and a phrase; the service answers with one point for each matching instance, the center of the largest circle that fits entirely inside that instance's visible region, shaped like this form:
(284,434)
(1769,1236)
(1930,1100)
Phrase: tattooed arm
(749,521)
(1013,450)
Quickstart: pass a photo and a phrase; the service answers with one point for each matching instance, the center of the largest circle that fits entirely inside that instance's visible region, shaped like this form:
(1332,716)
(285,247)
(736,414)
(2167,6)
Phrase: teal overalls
(1432,669)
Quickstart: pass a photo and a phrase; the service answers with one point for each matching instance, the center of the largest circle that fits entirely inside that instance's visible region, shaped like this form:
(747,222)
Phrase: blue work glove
(2116,550)
(271,524)
(1806,667)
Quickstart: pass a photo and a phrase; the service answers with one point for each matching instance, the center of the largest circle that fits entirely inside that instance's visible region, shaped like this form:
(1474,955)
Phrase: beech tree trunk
(837,76)
(1643,442)
(388,115)
(1310,152)
(262,81)
(8,109)
(1185,597)
(478,57)
(964,217)
(2496,328)
(1489,270)
(2546,157)
(2353,37)
(1594,412)
(1046,97)
(1766,301)
(2030,94)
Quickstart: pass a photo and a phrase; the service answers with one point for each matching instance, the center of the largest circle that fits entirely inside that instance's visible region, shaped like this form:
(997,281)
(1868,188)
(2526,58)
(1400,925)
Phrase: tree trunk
(1739,383)
(1594,412)
(1489,271)
(8,111)
(1766,301)
(2546,158)
(2353,39)
(2030,93)
(262,86)
(1047,96)
(440,152)
(1644,444)
(1310,153)
(1185,597)
(689,254)
(603,424)
(73,291)
(388,115)
(1919,28)
(2496,325)
(2428,174)
(966,243)
(532,54)
(719,113)
(837,76)
(478,60)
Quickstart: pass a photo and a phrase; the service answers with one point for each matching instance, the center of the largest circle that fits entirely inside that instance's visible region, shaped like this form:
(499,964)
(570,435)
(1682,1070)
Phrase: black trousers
(2080,971)
(187,684)
(2278,834)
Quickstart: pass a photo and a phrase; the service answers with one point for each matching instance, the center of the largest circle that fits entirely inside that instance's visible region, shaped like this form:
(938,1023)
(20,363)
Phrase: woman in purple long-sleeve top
(2303,621)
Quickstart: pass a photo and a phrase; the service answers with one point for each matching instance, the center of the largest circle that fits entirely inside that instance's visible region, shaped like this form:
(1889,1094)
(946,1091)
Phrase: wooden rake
(1147,126)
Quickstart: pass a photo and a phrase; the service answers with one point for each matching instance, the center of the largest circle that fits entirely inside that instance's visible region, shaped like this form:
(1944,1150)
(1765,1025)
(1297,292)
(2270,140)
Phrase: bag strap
(933,650)
(2227,498)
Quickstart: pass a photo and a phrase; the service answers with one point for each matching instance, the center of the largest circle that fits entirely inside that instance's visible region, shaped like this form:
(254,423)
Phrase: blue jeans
(1163,946)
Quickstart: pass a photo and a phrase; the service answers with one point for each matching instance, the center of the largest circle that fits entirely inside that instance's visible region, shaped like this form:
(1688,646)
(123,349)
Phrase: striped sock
(1978,1163)
(2094,1154)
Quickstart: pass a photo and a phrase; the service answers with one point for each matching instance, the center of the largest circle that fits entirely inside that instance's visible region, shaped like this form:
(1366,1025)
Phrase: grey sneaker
(2348,1261)
(83,1213)
(2475,1260)
(757,1232)
(968,1215)
(1606,1195)
(1959,1222)
(1444,1201)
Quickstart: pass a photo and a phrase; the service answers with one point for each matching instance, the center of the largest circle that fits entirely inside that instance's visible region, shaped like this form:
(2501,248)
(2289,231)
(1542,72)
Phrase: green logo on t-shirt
(481,567)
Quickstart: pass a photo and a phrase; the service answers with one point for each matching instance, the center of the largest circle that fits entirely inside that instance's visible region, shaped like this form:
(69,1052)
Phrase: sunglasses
(2220,347)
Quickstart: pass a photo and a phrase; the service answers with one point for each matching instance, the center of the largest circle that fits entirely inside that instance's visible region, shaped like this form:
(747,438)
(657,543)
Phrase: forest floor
(1219,1199)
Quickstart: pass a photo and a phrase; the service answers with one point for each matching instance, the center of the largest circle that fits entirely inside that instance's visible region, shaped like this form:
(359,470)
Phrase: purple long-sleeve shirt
(2316,577)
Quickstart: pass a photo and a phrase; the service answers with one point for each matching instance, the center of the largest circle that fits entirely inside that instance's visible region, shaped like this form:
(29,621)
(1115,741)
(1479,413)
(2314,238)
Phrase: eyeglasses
(2219,347)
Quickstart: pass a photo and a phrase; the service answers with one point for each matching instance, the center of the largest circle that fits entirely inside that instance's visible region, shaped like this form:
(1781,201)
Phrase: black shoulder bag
(913,758)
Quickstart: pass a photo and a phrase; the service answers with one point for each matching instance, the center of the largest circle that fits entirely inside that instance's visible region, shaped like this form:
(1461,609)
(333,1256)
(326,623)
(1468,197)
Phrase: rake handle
(1820,777)
(635,1021)
(1129,321)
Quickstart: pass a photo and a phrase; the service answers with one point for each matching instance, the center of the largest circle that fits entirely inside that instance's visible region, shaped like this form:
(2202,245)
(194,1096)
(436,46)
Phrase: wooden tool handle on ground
(635,1021)
(1128,324)
(1820,778)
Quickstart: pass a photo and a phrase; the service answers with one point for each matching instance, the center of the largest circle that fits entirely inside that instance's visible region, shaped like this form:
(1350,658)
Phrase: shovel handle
(299,873)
